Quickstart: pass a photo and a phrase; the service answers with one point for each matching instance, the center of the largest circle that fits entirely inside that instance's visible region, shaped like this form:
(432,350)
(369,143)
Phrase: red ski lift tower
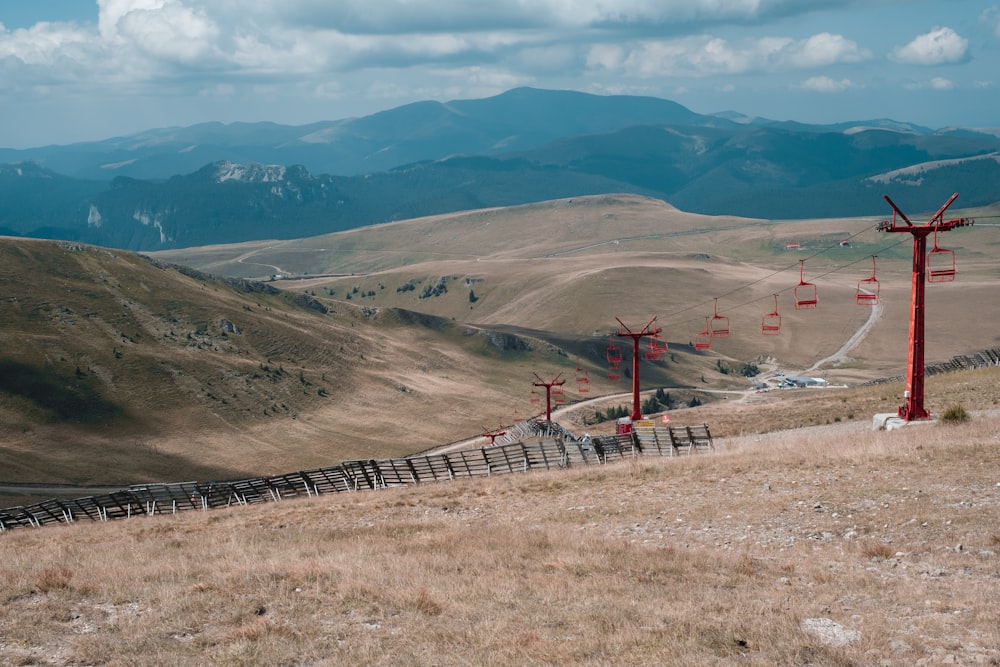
(624,332)
(493,434)
(557,381)
(913,405)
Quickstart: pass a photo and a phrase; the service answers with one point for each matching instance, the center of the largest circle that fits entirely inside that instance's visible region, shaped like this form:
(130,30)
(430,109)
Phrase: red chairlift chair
(868,289)
(657,346)
(703,340)
(582,381)
(558,397)
(804,293)
(535,397)
(614,353)
(719,327)
(940,263)
(770,324)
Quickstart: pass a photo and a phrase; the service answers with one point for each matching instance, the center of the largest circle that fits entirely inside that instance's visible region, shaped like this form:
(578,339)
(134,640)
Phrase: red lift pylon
(557,381)
(913,398)
(493,434)
(636,336)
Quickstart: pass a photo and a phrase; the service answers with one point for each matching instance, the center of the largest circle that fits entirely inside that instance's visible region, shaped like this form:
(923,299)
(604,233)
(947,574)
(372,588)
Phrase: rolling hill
(396,338)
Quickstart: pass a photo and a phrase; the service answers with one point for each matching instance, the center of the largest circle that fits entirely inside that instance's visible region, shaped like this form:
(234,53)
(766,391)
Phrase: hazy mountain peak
(251,173)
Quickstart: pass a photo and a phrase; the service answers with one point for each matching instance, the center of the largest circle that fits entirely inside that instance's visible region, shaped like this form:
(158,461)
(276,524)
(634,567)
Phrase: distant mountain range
(215,183)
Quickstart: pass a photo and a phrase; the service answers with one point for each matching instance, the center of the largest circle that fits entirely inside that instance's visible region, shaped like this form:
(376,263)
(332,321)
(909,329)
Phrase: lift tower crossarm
(913,399)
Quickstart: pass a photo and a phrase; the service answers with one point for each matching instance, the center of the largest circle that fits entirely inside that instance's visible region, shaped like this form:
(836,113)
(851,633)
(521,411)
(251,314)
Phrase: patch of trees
(437,289)
(747,370)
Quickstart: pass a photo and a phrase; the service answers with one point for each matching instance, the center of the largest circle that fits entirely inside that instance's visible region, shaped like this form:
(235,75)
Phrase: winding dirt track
(841,354)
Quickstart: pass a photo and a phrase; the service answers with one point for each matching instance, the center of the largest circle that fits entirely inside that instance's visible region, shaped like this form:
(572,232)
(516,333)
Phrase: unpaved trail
(841,354)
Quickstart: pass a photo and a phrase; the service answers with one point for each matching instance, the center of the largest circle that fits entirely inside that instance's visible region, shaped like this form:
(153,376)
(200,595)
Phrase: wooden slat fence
(557,451)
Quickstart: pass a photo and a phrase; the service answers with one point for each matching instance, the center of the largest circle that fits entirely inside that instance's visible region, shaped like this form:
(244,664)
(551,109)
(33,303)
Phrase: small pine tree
(472,297)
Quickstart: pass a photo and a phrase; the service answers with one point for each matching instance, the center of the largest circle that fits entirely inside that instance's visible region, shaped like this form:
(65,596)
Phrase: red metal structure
(940,264)
(657,346)
(770,324)
(719,325)
(557,381)
(650,329)
(868,289)
(493,434)
(804,293)
(703,340)
(614,355)
(582,381)
(913,405)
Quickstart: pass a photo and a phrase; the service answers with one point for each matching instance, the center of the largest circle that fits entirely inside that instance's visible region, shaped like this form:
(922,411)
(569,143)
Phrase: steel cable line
(780,271)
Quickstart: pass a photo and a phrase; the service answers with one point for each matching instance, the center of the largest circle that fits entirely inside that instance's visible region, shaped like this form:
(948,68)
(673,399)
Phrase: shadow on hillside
(61,399)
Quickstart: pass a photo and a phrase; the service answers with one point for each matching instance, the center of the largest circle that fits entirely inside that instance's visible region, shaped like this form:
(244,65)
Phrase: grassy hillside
(118,369)
(401,337)
(575,265)
(826,546)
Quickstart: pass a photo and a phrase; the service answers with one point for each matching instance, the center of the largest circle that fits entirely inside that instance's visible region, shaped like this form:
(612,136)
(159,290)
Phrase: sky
(80,70)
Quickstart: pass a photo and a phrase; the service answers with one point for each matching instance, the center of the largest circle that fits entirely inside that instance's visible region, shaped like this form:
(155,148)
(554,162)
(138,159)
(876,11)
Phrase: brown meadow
(729,557)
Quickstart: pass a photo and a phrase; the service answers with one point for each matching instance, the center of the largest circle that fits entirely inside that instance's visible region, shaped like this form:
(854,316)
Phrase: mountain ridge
(520,147)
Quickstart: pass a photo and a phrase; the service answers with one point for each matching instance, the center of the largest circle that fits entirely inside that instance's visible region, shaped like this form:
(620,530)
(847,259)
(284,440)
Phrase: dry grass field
(824,545)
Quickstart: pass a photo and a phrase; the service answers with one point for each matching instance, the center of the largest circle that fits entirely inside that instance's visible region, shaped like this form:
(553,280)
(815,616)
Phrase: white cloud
(705,55)
(825,84)
(170,31)
(406,17)
(826,49)
(991,17)
(138,61)
(938,47)
(936,83)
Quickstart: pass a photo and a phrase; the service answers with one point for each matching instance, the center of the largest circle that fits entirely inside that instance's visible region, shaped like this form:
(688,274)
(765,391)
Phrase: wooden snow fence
(673,440)
(557,451)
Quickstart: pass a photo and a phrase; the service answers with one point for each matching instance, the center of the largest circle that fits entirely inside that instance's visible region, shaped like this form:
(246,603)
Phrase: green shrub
(955,415)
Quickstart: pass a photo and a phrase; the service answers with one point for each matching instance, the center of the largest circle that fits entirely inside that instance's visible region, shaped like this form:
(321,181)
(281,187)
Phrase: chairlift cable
(879,251)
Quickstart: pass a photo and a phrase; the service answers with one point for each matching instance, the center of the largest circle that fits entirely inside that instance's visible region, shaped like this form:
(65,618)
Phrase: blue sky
(75,70)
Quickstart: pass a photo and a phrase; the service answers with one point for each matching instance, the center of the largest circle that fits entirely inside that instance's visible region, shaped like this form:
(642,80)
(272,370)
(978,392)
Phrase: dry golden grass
(706,560)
